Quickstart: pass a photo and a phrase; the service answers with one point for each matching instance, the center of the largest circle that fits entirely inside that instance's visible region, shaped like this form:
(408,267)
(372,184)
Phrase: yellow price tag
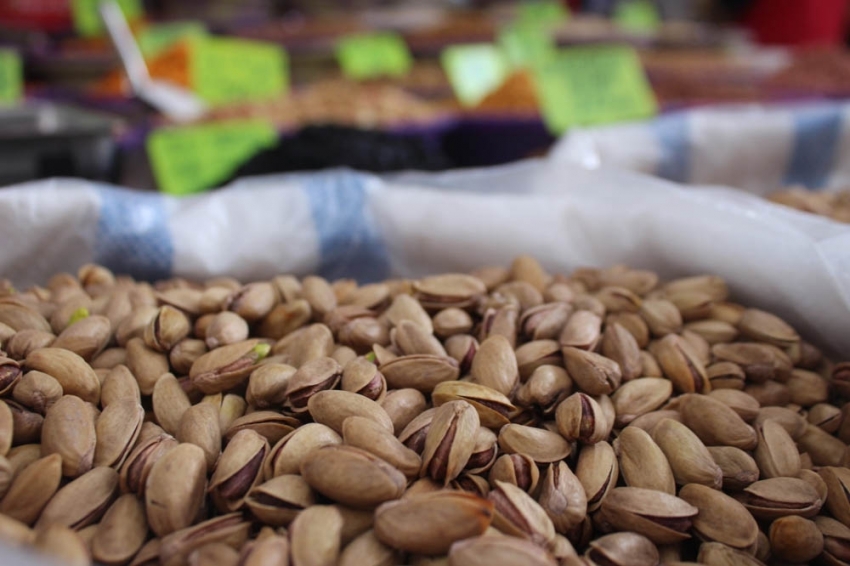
(191,159)
(593,85)
(233,70)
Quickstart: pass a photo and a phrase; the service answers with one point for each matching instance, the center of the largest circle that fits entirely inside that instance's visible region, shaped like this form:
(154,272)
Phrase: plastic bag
(750,147)
(346,224)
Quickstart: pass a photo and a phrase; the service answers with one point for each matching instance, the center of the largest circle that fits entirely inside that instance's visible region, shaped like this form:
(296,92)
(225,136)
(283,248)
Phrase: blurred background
(184,96)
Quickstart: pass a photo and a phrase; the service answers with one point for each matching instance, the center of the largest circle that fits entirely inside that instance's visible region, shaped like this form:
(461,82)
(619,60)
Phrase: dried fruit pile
(508,416)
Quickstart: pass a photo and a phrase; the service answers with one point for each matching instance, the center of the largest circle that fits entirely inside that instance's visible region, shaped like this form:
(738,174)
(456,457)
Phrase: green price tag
(526,46)
(474,70)
(367,56)
(542,13)
(11,77)
(190,159)
(155,39)
(87,20)
(593,85)
(639,16)
(233,70)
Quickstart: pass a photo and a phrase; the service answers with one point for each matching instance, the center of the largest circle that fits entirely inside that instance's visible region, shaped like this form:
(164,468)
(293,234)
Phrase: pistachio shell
(430,523)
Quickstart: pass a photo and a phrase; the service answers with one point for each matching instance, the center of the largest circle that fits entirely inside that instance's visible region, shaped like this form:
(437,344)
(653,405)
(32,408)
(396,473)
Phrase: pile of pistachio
(507,416)
(834,205)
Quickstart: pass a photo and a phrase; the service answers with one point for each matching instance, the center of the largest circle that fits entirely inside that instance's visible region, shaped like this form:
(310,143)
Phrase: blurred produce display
(479,82)
(831,205)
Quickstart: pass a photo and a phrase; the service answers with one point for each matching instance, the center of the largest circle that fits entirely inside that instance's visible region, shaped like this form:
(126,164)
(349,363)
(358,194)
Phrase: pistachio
(776,453)
(681,365)
(495,365)
(352,476)
(579,417)
(412,339)
(36,390)
(226,328)
(69,430)
(778,497)
(279,500)
(738,468)
(638,397)
(583,330)
(806,388)
(200,426)
(421,372)
(546,321)
(837,501)
(226,367)
(71,371)
(517,469)
(138,465)
(592,373)
(795,539)
(517,514)
(462,348)
(498,551)
(286,456)
(270,551)
(319,294)
(619,345)
(449,441)
(237,470)
(367,549)
(253,301)
(720,518)
(689,459)
(176,547)
(362,377)
(7,426)
(598,471)
(715,423)
(562,497)
(536,353)
(117,430)
(403,405)
(81,502)
(493,408)
(10,375)
(713,331)
(642,463)
(121,532)
(501,321)
(766,327)
(174,489)
(759,361)
(314,376)
(214,554)
(745,405)
(368,435)
(60,542)
(824,449)
(790,420)
(145,364)
(31,489)
(405,307)
(430,523)
(168,327)
(661,316)
(282,320)
(715,553)
(169,402)
(541,445)
(619,549)
(270,425)
(836,537)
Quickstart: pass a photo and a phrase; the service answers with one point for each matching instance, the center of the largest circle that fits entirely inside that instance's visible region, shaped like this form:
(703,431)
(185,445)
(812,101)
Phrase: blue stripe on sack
(673,134)
(133,236)
(816,133)
(349,241)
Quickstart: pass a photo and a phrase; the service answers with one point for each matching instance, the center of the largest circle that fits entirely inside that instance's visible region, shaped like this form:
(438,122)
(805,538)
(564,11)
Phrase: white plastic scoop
(173,101)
